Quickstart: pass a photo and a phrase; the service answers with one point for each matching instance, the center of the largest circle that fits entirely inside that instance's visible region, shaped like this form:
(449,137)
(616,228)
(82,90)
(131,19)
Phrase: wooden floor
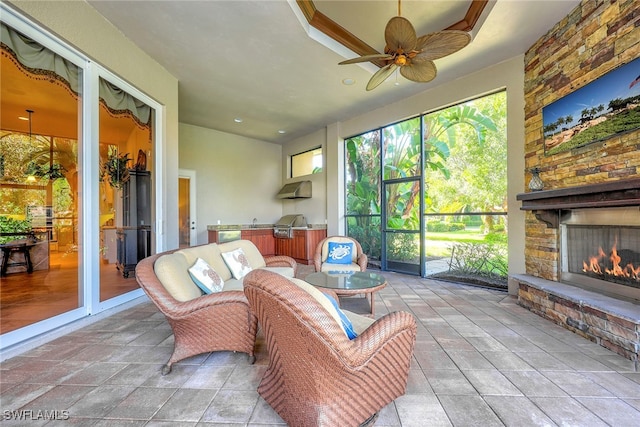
(29,298)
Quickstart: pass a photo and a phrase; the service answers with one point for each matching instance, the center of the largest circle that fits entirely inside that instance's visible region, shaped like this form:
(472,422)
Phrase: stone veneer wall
(595,38)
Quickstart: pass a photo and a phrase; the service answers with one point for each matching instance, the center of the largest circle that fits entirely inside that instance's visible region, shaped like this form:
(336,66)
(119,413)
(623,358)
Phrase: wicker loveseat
(205,323)
(316,375)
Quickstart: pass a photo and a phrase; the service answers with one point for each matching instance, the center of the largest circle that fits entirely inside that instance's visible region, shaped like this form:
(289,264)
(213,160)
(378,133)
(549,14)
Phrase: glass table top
(358,280)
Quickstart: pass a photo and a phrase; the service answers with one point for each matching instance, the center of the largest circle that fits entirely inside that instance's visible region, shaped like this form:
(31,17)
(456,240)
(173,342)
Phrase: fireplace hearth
(584,272)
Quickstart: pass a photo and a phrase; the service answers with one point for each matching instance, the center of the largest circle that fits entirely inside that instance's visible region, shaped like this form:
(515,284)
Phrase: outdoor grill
(284,227)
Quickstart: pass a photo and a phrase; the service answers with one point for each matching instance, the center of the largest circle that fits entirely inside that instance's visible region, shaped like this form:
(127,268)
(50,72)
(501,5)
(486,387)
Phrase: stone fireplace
(591,41)
(595,288)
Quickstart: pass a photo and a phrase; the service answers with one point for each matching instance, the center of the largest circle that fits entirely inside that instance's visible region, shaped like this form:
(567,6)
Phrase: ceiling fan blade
(366,58)
(400,35)
(381,75)
(420,71)
(442,43)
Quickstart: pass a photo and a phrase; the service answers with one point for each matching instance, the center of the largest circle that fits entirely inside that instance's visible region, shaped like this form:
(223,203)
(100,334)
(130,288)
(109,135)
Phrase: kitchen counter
(301,247)
(225,227)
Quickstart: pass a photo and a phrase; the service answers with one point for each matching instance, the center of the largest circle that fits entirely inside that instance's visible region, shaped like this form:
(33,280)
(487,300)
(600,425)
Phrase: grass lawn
(439,244)
(468,235)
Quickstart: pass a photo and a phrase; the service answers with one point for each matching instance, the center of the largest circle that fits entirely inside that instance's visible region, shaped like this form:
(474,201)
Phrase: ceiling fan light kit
(411,54)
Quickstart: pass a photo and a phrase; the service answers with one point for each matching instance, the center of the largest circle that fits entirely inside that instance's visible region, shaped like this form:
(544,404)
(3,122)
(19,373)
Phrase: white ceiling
(255,60)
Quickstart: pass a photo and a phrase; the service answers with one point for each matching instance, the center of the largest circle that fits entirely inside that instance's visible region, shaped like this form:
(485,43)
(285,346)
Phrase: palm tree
(402,144)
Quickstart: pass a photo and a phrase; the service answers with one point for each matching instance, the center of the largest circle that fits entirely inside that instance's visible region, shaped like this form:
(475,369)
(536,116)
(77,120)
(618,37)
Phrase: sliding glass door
(126,164)
(77,184)
(402,178)
(39,198)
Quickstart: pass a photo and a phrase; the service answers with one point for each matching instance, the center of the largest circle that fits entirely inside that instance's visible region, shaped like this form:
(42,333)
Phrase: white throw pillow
(205,277)
(237,262)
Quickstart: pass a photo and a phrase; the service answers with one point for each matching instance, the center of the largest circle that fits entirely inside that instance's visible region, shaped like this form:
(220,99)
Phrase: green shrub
(481,259)
(11,225)
(367,233)
(444,227)
(403,247)
(497,236)
(499,228)
(456,226)
(437,227)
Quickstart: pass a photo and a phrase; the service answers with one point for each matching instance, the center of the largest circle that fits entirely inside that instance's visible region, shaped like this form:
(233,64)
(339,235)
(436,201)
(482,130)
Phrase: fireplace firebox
(600,250)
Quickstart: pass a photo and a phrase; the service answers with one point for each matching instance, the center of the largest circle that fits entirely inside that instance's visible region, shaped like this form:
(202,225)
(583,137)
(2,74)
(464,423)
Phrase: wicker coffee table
(349,283)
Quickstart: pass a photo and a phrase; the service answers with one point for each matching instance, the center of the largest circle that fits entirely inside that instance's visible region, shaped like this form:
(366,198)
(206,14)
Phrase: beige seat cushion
(173,272)
(328,267)
(233,285)
(283,271)
(360,323)
(211,254)
(255,258)
(320,297)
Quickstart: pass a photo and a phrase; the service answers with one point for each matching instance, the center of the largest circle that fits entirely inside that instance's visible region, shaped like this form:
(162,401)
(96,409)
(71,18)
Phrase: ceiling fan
(413,55)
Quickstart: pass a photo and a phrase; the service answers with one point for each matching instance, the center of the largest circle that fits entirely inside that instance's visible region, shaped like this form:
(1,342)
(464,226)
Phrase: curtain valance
(39,62)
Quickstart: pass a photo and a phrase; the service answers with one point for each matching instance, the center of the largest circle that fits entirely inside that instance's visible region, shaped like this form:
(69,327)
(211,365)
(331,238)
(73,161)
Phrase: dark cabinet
(302,246)
(136,199)
(134,244)
(134,238)
(284,246)
(263,239)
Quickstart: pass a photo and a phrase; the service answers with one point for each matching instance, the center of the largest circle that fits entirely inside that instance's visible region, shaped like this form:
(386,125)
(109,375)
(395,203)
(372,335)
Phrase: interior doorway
(187,224)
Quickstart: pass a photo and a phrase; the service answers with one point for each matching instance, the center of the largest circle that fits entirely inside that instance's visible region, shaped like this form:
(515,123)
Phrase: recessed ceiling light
(282,131)
(237,120)
(348,81)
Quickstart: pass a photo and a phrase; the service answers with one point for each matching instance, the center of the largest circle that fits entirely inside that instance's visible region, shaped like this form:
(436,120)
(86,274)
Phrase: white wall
(315,208)
(86,30)
(237,178)
(507,75)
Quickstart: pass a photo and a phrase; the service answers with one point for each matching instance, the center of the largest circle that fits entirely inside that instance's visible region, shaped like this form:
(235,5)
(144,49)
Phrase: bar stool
(16,247)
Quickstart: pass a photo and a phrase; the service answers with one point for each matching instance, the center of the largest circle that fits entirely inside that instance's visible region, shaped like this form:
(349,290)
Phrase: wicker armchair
(359,258)
(215,322)
(316,375)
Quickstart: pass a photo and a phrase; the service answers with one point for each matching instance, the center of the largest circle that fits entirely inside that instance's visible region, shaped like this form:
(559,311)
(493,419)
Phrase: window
(428,194)
(306,163)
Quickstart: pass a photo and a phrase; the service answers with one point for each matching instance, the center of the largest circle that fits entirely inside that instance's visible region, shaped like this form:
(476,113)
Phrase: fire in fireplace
(600,256)
(619,266)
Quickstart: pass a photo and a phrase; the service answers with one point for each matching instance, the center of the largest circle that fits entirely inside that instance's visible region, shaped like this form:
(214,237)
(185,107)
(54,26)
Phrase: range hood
(295,190)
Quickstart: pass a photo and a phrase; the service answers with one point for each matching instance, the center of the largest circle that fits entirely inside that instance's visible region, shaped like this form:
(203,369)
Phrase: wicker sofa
(205,323)
(317,376)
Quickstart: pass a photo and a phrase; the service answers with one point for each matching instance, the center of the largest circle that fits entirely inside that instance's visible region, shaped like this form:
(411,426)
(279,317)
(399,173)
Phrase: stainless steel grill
(284,227)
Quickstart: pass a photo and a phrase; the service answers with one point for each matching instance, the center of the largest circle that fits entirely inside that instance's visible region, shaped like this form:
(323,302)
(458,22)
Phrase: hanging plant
(115,170)
(13,226)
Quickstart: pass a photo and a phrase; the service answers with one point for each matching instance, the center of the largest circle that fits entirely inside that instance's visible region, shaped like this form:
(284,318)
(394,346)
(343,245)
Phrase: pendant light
(34,171)
(31,178)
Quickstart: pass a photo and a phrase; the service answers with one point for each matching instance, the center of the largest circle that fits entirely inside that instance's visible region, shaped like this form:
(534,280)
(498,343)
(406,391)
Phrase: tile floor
(480,360)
